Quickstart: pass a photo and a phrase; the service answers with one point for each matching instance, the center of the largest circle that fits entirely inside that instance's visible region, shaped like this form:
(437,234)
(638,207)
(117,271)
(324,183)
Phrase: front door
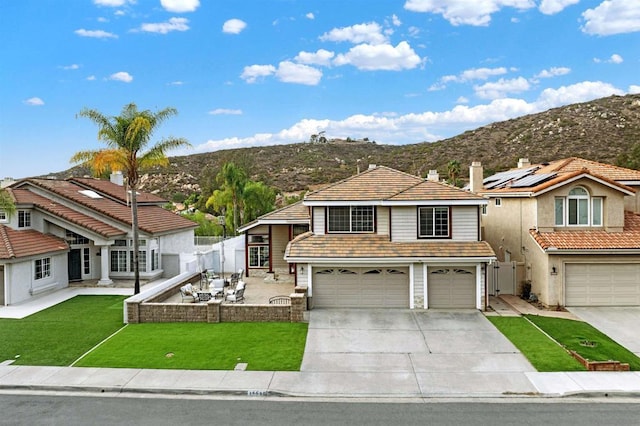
(75,265)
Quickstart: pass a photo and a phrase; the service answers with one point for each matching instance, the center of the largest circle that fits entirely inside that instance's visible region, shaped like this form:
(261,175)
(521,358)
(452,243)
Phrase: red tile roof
(628,239)
(152,219)
(17,244)
(573,164)
(118,192)
(367,246)
(293,213)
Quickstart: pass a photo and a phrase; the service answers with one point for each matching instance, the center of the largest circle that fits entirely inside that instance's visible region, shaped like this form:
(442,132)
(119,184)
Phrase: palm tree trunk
(136,242)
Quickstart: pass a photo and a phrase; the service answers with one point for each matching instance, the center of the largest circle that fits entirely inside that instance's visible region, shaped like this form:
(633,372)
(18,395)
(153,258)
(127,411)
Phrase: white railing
(207,240)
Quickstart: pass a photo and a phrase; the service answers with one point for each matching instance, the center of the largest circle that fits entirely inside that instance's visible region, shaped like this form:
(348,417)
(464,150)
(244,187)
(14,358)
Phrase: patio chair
(235,277)
(188,294)
(280,300)
(216,286)
(237,294)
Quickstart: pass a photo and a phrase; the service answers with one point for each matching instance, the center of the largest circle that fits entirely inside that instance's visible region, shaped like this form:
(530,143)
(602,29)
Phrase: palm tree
(127,136)
(453,172)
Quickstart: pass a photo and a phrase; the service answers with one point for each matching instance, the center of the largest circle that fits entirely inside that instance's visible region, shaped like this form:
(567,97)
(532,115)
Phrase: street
(50,409)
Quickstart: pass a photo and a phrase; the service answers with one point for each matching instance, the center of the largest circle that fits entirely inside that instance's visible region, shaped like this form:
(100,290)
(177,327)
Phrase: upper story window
(350,219)
(498,202)
(3,216)
(433,222)
(578,208)
(24,219)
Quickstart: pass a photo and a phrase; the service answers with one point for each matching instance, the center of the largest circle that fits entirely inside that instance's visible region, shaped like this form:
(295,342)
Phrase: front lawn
(582,338)
(200,346)
(542,352)
(62,333)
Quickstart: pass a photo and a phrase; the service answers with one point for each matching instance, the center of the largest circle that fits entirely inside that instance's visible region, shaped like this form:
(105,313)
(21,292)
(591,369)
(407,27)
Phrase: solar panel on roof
(532,180)
(500,179)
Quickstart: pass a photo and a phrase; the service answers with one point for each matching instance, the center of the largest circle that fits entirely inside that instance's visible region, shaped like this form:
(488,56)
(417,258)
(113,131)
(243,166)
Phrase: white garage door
(348,287)
(609,284)
(451,287)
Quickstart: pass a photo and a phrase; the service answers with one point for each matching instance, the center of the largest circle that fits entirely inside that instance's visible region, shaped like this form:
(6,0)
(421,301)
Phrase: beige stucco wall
(279,240)
(632,202)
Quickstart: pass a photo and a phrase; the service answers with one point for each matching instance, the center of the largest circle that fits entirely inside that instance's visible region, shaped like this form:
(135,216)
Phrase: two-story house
(572,223)
(80,229)
(385,238)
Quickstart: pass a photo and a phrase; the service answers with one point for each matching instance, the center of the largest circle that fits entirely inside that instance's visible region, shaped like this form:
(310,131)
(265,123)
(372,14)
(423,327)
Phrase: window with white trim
(578,208)
(42,268)
(258,256)
(24,219)
(352,219)
(433,222)
(3,216)
(118,260)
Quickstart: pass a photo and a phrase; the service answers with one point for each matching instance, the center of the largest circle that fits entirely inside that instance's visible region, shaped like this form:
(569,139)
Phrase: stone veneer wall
(215,311)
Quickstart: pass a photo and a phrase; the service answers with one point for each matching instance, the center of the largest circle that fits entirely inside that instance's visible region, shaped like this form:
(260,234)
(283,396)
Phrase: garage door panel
(451,288)
(361,287)
(608,284)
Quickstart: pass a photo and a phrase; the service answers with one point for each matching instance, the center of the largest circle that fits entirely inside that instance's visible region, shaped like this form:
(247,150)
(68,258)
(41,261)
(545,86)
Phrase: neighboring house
(573,224)
(80,229)
(266,239)
(385,238)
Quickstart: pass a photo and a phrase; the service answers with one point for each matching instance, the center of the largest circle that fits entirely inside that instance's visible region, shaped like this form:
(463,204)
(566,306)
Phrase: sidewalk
(319,385)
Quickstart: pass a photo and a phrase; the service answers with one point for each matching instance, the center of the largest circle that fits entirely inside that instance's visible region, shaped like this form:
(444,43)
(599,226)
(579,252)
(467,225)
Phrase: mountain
(598,130)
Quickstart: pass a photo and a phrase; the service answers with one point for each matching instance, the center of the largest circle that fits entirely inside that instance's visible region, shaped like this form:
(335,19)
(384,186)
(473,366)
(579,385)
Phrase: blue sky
(265,72)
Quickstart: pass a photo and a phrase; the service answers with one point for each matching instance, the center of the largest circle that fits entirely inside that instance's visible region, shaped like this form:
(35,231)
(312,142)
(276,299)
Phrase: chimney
(117,178)
(476,177)
(523,163)
(433,176)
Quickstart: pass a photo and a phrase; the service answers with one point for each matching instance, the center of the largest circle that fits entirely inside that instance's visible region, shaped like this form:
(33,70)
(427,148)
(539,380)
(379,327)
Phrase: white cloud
(395,20)
(553,72)
(180,6)
(320,57)
(550,7)
(252,73)
(616,59)
(91,78)
(289,72)
(462,100)
(35,101)
(423,126)
(94,33)
(380,57)
(176,83)
(499,89)
(310,15)
(477,74)
(612,17)
(123,76)
(173,24)
(225,111)
(465,12)
(359,33)
(112,3)
(70,67)
(634,89)
(233,26)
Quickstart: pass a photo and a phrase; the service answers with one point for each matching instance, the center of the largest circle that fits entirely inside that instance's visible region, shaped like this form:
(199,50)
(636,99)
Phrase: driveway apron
(621,324)
(407,341)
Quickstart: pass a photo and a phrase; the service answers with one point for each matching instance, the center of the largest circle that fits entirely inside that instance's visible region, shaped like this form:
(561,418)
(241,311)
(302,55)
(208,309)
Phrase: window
(24,219)
(42,268)
(142,261)
(498,202)
(118,261)
(483,209)
(351,219)
(73,238)
(155,260)
(86,261)
(258,256)
(299,229)
(434,222)
(578,209)
(3,216)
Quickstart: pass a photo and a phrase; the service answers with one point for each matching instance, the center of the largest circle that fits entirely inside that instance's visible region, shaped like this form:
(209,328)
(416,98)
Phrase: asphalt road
(23,409)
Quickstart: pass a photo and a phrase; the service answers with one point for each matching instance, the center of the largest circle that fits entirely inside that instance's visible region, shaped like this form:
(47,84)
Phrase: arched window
(578,209)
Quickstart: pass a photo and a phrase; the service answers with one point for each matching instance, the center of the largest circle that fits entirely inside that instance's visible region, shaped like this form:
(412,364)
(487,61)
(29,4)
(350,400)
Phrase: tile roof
(373,184)
(607,170)
(367,246)
(292,213)
(24,197)
(384,183)
(152,218)
(118,192)
(628,239)
(16,244)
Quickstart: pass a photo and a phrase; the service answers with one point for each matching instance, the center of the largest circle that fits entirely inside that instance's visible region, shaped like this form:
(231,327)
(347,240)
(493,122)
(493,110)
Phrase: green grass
(199,346)
(570,333)
(59,335)
(542,352)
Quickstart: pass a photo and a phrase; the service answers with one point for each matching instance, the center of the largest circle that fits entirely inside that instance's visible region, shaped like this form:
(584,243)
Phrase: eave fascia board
(580,176)
(389,260)
(391,203)
(274,222)
(593,252)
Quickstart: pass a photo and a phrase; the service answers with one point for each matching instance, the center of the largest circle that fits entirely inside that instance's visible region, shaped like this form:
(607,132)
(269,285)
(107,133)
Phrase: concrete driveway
(405,341)
(621,324)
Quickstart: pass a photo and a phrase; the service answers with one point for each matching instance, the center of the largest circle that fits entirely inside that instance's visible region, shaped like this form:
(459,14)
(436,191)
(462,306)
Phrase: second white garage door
(351,287)
(610,284)
(451,287)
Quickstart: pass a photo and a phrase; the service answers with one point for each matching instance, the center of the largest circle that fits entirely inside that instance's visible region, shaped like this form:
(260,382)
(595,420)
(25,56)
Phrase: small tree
(6,203)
